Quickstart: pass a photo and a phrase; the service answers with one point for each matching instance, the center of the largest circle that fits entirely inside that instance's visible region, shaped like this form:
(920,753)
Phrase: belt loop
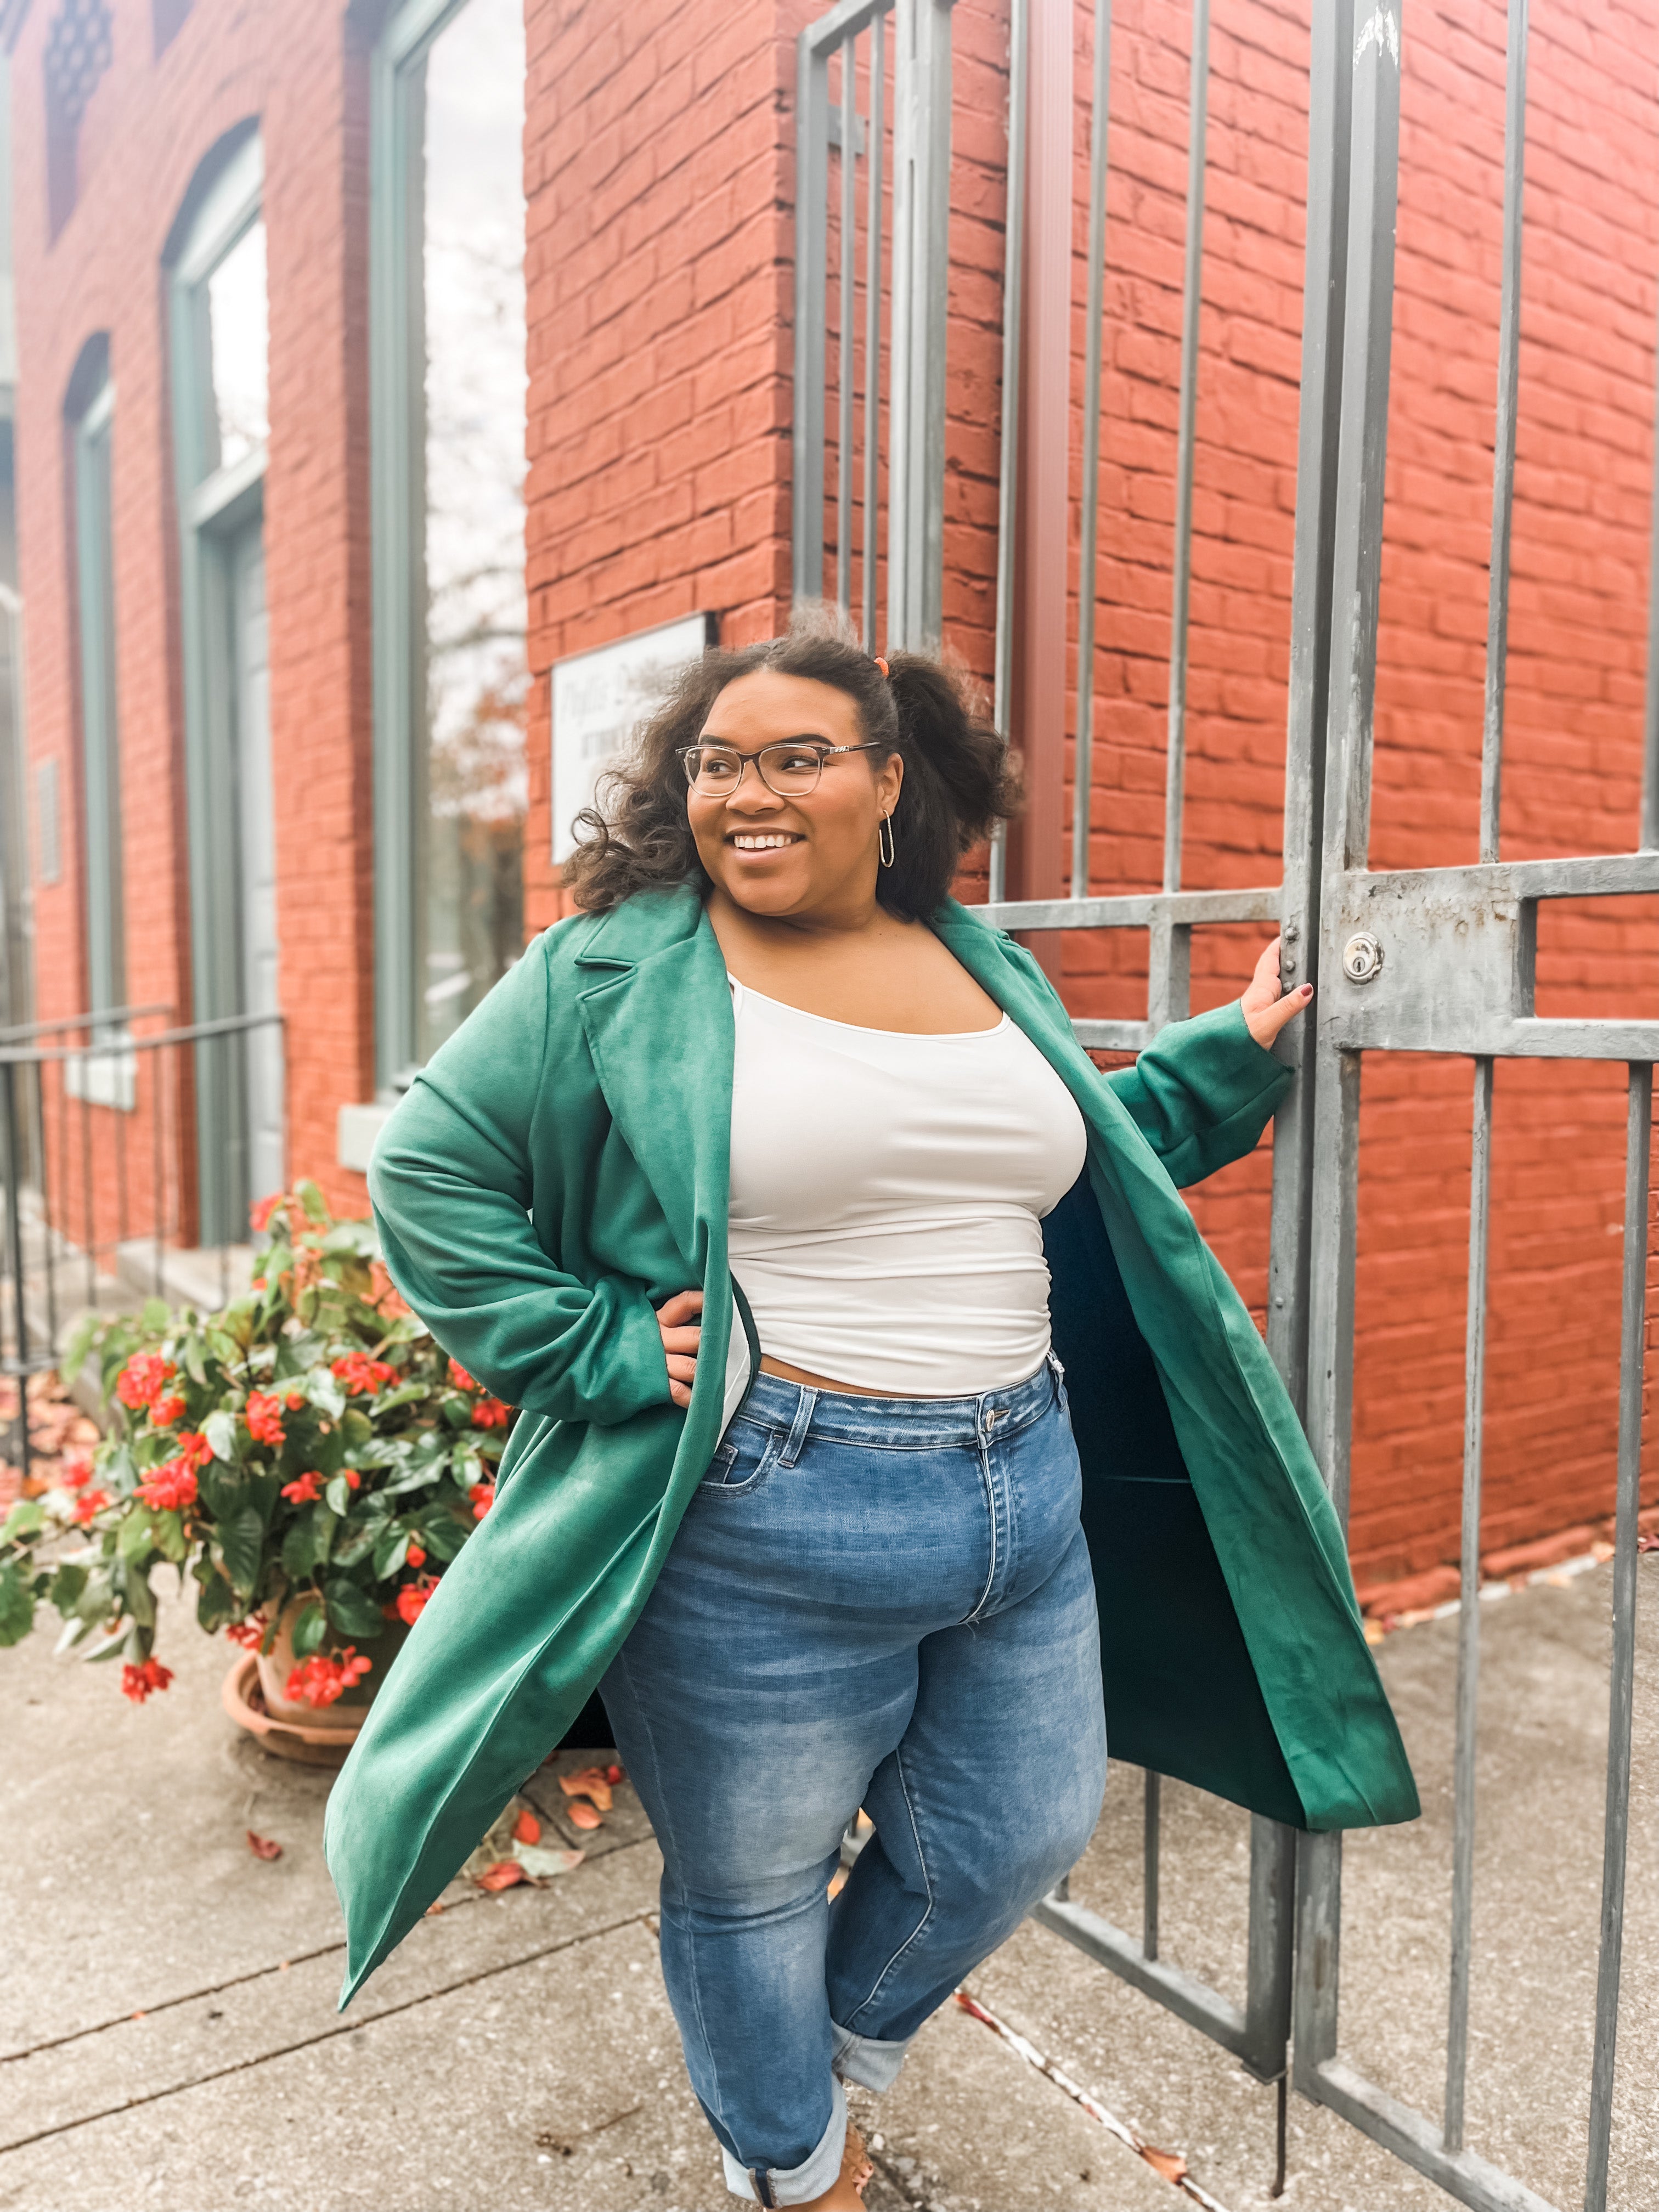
(789,1454)
(762,2181)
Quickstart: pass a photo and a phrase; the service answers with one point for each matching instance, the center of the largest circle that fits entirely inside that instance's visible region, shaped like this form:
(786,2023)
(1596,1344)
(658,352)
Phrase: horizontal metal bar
(1597,875)
(845,22)
(1462,2173)
(1133,909)
(122,1048)
(1114,1036)
(1189,1999)
(101,1020)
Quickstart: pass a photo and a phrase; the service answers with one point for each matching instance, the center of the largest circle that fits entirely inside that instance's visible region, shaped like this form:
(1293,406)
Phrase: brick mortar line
(236,1982)
(324,2035)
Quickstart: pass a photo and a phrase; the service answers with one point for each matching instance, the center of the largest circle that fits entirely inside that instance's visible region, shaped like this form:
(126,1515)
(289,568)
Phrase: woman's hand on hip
(681,1335)
(1265,1012)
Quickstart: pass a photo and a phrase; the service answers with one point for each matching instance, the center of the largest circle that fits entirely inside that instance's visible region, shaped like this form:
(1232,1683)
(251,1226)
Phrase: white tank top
(886,1196)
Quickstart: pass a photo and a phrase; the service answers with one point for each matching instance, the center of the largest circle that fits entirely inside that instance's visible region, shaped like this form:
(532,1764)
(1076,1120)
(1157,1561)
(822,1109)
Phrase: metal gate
(1436,961)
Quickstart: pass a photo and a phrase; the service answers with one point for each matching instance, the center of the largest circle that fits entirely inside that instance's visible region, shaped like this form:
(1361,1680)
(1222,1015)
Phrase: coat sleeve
(451,1188)
(1202,1092)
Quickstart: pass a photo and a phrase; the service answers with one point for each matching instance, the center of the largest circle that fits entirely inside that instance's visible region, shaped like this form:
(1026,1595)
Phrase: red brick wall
(660,166)
(150,122)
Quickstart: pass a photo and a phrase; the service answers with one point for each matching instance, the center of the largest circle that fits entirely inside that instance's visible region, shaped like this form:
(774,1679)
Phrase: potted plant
(309,1458)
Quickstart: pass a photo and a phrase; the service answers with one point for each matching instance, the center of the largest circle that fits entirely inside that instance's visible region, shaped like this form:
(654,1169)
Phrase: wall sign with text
(600,698)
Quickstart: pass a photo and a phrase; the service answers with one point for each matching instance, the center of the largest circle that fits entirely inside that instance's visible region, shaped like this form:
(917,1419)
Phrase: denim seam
(691,1949)
(922,1861)
(991,1507)
(765,1467)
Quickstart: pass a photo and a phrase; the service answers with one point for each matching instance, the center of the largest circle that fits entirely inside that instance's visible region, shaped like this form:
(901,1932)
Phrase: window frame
(213,508)
(103,904)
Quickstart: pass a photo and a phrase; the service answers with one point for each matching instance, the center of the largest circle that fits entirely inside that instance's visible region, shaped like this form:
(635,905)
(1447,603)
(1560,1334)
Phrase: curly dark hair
(959,781)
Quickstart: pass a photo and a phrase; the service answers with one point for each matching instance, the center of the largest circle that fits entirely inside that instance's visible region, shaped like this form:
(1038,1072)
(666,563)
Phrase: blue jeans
(883,1603)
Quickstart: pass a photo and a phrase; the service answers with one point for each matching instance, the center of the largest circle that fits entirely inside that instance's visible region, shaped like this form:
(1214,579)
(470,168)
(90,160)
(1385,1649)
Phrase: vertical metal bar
(1330,1301)
(1170,971)
(872,223)
(1191,295)
(1013,283)
(1330,86)
(849,178)
(1469,1618)
(157,1158)
(1639,1145)
(1267,1964)
(1357,551)
(811,249)
(15,1240)
(45,1201)
(88,1204)
(1502,473)
(1151,1823)
(1088,582)
(921,223)
(1318,1956)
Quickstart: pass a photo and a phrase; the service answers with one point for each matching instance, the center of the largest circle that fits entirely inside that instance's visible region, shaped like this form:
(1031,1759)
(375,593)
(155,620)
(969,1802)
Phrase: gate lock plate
(1362,956)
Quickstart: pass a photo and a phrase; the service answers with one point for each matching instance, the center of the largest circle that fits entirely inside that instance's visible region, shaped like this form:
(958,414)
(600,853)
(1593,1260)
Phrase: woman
(769,1188)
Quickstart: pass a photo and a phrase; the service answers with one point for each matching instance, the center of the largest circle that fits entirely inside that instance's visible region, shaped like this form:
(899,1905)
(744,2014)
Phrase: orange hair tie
(880,662)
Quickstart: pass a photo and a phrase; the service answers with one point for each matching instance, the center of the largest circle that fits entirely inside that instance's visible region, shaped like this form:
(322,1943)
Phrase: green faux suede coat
(561,1167)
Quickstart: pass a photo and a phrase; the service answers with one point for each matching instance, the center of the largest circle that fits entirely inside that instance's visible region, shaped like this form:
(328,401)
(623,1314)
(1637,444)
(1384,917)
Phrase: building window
(78,49)
(101,758)
(449,387)
(219,323)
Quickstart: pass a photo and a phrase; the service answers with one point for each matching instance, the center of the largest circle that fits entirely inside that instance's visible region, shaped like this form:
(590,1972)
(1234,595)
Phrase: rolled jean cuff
(862,2059)
(796,2185)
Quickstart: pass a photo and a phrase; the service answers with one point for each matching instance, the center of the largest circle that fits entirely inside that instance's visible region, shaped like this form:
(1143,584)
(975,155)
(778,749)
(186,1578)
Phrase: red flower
(460,1379)
(263,1417)
(166,1411)
(295,1399)
(258,1282)
(194,1449)
(76,1474)
(90,1504)
(490,1413)
(261,1213)
(171,1488)
(137,1682)
(413,1597)
(320,1680)
(305,1489)
(249,1634)
(362,1376)
(483,1495)
(415,1556)
(143,1378)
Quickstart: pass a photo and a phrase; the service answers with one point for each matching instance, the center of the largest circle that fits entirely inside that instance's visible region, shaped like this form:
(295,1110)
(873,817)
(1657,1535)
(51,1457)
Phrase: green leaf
(311,1198)
(16,1606)
(192,1359)
(67,1584)
(418,1478)
(170,1538)
(443,1535)
(241,1542)
(352,1610)
(457,1410)
(154,1317)
(310,1629)
(220,1429)
(223,1347)
(357,1428)
(216,1606)
(339,1494)
(389,1553)
(140,1599)
(300,1547)
(27,1518)
(80,1343)
(138,1535)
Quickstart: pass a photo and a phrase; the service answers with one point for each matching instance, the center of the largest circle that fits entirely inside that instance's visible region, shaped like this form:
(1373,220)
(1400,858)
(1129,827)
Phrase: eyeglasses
(790,770)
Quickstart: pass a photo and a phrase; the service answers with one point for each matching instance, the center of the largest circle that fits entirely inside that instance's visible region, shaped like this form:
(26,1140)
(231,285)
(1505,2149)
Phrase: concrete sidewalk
(168,2036)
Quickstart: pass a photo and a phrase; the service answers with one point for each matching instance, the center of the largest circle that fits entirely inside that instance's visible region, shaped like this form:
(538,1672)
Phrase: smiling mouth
(763,840)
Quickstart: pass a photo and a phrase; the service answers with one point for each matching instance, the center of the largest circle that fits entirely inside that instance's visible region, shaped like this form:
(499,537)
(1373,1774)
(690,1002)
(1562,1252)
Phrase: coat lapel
(657,1011)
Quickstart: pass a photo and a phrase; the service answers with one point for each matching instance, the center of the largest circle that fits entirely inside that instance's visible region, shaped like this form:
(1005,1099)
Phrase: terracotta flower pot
(254,1694)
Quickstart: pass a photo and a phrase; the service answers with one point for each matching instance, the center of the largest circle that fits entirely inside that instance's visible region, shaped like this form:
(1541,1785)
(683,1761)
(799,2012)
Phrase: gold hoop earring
(884,841)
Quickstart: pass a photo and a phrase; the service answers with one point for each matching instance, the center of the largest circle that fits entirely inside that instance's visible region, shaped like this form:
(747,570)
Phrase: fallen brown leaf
(527,1829)
(502,1875)
(581,1814)
(592,1781)
(263,1847)
(1169,2163)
